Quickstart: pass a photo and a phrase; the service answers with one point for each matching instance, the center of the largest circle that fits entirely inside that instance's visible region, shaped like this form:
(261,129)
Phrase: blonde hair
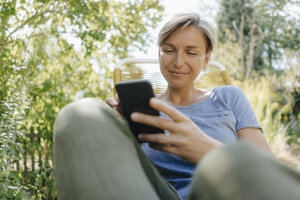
(182,21)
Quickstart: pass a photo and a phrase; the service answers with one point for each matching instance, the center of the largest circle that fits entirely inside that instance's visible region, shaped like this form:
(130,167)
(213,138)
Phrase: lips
(177,73)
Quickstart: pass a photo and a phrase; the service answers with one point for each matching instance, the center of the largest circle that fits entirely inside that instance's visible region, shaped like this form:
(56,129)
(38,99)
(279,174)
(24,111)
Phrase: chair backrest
(127,69)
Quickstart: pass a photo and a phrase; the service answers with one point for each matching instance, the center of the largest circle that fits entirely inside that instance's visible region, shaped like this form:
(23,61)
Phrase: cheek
(164,61)
(200,63)
(161,64)
(197,66)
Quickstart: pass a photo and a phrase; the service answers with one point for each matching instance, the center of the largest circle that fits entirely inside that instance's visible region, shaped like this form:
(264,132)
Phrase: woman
(97,157)
(185,45)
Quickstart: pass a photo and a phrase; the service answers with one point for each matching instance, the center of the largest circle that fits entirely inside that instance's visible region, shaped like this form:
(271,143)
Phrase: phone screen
(134,97)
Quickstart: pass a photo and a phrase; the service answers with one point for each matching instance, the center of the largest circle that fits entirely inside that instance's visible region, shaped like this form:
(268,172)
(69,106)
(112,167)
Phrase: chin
(178,82)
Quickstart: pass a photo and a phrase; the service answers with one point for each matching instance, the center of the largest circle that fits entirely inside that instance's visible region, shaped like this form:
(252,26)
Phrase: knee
(76,116)
(230,167)
(236,158)
(227,156)
(84,118)
(81,108)
(78,112)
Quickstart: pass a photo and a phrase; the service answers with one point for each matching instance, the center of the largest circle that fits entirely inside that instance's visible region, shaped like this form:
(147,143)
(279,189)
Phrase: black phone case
(134,97)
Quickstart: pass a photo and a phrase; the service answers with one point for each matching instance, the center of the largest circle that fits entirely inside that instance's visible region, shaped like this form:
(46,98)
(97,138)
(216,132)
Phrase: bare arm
(255,137)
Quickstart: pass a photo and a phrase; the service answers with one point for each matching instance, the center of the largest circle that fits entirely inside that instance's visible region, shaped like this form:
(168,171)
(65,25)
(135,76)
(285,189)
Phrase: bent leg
(240,171)
(96,157)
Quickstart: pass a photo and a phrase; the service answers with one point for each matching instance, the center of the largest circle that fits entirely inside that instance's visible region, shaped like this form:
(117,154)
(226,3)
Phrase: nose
(179,60)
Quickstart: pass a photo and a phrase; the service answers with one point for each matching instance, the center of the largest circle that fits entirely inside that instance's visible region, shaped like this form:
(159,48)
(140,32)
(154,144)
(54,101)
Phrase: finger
(119,110)
(156,121)
(117,98)
(173,113)
(112,102)
(160,139)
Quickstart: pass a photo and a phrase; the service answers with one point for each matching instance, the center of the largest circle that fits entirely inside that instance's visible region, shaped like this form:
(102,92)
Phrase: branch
(36,15)
(240,32)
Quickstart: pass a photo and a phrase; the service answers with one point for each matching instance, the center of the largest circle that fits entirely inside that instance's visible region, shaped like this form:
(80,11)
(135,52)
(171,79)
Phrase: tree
(264,30)
(53,52)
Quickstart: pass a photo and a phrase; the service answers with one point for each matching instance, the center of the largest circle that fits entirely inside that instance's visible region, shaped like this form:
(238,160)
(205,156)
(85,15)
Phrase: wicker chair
(127,69)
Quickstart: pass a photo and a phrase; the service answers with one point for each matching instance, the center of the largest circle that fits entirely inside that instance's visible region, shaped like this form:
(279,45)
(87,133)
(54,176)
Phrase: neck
(182,96)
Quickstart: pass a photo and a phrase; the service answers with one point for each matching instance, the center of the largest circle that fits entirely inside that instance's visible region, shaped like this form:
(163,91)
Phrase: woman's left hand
(185,140)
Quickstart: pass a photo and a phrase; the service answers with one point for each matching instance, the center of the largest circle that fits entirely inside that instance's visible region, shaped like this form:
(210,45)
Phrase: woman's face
(182,56)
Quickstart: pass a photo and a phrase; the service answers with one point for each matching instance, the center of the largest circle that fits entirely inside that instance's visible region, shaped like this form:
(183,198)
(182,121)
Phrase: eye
(193,53)
(168,51)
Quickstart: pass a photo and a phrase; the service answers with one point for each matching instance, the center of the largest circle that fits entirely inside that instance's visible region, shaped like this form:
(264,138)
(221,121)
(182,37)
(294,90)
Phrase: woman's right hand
(115,104)
(185,138)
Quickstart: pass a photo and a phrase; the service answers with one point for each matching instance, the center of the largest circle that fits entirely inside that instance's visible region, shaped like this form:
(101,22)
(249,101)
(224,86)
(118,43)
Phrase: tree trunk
(251,46)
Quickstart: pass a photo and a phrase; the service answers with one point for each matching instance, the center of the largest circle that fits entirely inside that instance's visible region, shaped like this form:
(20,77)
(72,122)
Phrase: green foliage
(271,109)
(229,54)
(264,30)
(289,88)
(10,119)
(267,103)
(274,94)
(51,53)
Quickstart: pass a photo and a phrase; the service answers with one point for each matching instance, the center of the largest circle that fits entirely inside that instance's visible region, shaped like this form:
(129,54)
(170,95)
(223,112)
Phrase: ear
(206,61)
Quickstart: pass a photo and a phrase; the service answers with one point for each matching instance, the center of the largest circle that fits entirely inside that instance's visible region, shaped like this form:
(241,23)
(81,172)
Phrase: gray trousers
(96,157)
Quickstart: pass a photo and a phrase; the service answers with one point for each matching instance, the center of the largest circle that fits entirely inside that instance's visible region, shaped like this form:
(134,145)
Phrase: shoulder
(229,95)
(227,92)
(227,89)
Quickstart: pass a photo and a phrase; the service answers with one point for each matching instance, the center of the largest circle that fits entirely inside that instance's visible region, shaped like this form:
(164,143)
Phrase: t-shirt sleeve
(242,110)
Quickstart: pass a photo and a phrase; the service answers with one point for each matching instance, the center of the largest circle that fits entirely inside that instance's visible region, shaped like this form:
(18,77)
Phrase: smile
(177,73)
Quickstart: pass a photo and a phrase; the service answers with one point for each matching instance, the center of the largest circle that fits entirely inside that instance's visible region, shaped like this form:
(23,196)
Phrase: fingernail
(134,116)
(140,136)
(154,100)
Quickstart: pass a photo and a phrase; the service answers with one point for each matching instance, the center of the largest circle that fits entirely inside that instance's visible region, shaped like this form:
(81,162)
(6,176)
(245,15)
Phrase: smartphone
(134,97)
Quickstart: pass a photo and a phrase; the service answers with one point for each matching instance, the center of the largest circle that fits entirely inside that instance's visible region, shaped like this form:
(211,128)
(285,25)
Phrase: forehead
(188,36)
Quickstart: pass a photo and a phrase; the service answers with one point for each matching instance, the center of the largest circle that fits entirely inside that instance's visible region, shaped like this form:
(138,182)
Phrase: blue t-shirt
(220,116)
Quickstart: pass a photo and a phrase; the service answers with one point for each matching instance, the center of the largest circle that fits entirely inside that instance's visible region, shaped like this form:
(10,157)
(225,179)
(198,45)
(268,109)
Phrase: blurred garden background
(53,52)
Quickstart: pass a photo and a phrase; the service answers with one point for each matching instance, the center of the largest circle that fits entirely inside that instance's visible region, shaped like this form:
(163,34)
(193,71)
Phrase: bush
(271,107)
(11,183)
